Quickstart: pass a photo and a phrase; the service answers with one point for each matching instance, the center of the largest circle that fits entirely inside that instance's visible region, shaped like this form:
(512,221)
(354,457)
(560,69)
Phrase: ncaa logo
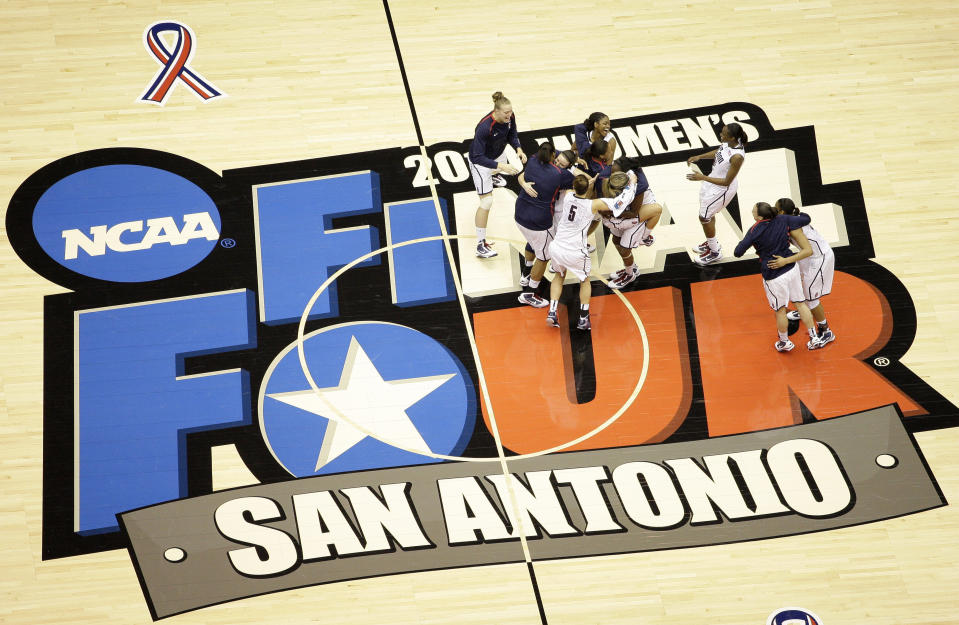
(793,616)
(146,224)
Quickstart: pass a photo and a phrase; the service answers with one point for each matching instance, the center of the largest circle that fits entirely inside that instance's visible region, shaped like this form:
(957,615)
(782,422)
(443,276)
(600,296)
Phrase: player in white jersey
(575,213)
(719,187)
(634,227)
(817,272)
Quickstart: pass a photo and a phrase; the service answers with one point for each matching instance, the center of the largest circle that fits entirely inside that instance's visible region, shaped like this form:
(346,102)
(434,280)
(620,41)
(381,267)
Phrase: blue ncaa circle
(445,418)
(96,222)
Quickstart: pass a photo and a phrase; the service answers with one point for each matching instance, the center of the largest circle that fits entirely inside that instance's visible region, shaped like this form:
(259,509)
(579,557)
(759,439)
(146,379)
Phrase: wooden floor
(879,81)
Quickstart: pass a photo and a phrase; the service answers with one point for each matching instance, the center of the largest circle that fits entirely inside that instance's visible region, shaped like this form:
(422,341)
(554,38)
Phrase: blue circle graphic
(297,435)
(126,223)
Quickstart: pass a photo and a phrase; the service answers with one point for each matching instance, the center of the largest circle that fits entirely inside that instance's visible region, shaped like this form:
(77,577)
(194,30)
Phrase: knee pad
(486,202)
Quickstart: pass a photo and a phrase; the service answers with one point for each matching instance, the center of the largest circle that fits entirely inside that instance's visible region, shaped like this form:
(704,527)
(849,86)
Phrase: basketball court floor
(254,373)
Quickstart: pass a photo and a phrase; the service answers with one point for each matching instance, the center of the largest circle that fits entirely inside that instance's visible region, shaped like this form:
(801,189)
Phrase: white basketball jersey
(721,161)
(574,216)
(819,245)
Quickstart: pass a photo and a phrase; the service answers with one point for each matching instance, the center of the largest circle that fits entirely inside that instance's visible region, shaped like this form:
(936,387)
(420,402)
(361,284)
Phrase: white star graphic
(364,404)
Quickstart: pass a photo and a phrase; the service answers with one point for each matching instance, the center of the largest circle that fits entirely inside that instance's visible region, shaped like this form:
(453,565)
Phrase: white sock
(553,304)
(783,337)
(533,284)
(713,244)
(481,234)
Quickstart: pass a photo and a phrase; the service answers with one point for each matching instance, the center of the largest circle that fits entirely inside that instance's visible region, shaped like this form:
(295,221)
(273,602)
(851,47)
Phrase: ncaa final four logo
(397,411)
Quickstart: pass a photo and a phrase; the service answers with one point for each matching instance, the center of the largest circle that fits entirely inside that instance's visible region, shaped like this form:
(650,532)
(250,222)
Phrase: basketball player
(541,182)
(634,226)
(564,160)
(719,188)
(595,159)
(817,272)
(770,236)
(575,212)
(488,161)
(595,127)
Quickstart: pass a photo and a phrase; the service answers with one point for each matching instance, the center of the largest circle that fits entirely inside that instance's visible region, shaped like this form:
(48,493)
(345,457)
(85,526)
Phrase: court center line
(467,320)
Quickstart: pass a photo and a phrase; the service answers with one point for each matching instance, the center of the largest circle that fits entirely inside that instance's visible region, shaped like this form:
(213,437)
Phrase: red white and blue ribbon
(175,63)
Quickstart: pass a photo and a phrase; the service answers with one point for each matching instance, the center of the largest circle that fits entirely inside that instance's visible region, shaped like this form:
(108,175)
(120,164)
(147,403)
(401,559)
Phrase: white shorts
(630,232)
(539,240)
(714,198)
(817,274)
(483,176)
(576,262)
(784,289)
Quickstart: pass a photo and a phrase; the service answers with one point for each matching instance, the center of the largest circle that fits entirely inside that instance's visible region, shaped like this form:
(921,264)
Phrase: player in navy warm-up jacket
(488,160)
(770,236)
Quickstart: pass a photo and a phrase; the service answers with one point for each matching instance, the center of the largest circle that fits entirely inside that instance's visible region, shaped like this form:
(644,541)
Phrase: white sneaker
(499,181)
(532,299)
(621,280)
(649,239)
(784,346)
(816,343)
(827,337)
(703,247)
(590,248)
(617,274)
(709,258)
(524,280)
(583,323)
(483,250)
(793,315)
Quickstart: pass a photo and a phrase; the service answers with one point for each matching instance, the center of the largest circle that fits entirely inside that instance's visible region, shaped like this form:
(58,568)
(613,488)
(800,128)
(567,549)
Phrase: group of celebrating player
(566,195)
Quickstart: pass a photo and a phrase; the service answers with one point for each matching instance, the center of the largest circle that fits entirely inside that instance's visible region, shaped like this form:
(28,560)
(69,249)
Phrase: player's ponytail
(786,206)
(765,211)
(500,100)
(545,153)
(594,119)
(627,163)
(738,133)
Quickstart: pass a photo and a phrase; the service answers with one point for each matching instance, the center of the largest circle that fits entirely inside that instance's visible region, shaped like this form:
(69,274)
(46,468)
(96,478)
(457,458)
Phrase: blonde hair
(618,180)
(500,100)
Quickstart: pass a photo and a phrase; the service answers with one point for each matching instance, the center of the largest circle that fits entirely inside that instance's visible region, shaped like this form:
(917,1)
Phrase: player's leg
(794,282)
(782,326)
(539,241)
(649,214)
(710,203)
(819,277)
(585,291)
(625,244)
(529,257)
(483,181)
(555,291)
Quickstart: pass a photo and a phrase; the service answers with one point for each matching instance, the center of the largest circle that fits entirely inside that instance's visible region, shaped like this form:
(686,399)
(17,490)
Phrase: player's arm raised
(735,163)
(710,154)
